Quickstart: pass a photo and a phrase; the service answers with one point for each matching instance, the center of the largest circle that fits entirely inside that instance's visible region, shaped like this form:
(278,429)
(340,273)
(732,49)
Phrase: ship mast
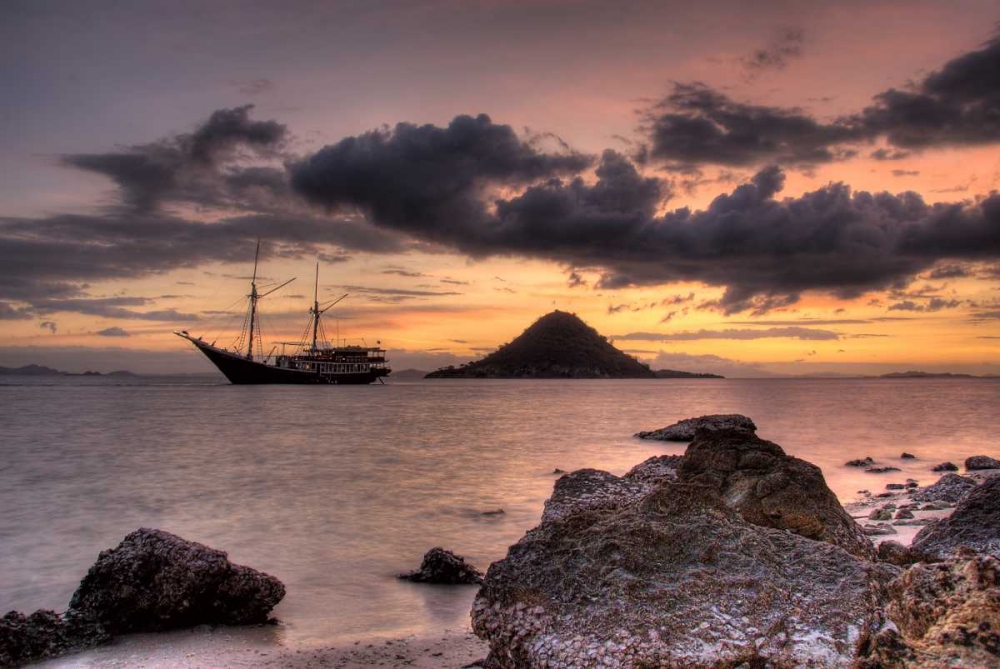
(315,308)
(253,302)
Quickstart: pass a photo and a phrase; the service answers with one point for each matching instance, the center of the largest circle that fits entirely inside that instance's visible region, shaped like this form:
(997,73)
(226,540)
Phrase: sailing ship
(318,363)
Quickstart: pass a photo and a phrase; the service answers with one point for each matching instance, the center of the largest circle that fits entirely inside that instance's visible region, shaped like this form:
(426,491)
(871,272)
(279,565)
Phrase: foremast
(316,311)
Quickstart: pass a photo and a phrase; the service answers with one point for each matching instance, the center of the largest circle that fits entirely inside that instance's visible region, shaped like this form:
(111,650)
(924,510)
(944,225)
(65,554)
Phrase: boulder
(445,568)
(865,462)
(907,456)
(880,514)
(945,467)
(674,577)
(155,581)
(903,514)
(943,615)
(949,488)
(43,634)
(685,430)
(895,553)
(974,523)
(981,462)
(771,489)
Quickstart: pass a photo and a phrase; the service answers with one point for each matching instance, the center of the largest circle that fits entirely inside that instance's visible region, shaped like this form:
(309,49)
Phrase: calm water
(336,489)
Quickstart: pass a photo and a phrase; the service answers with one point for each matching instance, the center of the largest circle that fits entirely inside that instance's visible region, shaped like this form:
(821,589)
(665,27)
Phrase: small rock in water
(444,567)
(907,456)
(880,514)
(981,462)
(895,486)
(910,483)
(558,471)
(945,467)
(494,512)
(685,430)
(903,514)
(879,530)
(859,463)
(881,470)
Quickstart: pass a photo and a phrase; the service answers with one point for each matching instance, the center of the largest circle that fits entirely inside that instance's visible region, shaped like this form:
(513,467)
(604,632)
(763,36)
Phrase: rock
(156,581)
(673,578)
(945,467)
(932,507)
(879,530)
(885,495)
(558,471)
(685,430)
(867,462)
(949,488)
(974,523)
(943,615)
(769,488)
(912,484)
(880,514)
(43,634)
(444,567)
(903,514)
(895,553)
(656,469)
(981,462)
(881,470)
(907,456)
(895,486)
(493,512)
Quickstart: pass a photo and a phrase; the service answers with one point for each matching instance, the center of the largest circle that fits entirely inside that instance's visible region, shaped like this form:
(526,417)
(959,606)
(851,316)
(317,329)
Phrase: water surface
(336,489)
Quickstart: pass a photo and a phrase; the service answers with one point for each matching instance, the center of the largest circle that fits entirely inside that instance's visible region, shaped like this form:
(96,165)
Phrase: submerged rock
(685,430)
(907,456)
(673,577)
(949,488)
(771,489)
(975,523)
(943,615)
(865,462)
(945,467)
(44,634)
(881,470)
(155,581)
(981,462)
(444,567)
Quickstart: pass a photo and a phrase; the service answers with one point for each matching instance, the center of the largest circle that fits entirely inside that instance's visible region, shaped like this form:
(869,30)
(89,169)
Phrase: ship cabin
(339,360)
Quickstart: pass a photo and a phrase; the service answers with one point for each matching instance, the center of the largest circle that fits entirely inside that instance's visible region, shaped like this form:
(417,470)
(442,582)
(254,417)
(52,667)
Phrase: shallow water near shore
(337,489)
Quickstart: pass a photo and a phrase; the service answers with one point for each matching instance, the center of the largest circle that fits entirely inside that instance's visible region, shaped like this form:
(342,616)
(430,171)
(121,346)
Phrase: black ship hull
(241,371)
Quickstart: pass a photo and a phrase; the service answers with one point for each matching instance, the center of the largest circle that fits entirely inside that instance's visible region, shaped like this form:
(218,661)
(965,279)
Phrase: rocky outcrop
(949,488)
(943,615)
(771,489)
(685,430)
(44,634)
(668,578)
(975,523)
(445,568)
(981,462)
(154,580)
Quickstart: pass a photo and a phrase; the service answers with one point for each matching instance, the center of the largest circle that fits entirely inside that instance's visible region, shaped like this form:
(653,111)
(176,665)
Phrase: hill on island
(557,346)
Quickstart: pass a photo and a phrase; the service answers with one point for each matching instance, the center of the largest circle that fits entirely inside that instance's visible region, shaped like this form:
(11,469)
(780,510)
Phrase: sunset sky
(742,188)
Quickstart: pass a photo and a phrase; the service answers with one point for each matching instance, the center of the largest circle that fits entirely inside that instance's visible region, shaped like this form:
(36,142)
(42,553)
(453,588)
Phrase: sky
(751,189)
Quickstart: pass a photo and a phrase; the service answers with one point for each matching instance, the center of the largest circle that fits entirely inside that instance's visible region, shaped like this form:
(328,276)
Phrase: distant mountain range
(928,375)
(558,346)
(41,370)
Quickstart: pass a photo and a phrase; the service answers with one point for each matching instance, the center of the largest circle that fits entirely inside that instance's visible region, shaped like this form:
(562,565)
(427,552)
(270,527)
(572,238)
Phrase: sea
(336,490)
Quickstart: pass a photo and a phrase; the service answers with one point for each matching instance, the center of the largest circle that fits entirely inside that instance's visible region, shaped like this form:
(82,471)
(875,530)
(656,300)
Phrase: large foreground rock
(944,615)
(673,577)
(44,634)
(685,430)
(769,488)
(445,568)
(156,581)
(975,523)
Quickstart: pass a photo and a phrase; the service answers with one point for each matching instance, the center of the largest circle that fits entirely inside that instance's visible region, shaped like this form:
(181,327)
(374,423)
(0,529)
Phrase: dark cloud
(785,46)
(806,334)
(949,272)
(934,304)
(11,313)
(394,294)
(51,326)
(403,272)
(113,332)
(110,307)
(905,173)
(574,280)
(958,105)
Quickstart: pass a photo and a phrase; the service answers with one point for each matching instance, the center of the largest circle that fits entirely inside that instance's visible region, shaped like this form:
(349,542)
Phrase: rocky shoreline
(734,554)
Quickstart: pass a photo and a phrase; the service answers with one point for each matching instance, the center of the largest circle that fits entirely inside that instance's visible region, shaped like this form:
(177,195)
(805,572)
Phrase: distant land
(558,346)
(408,375)
(674,374)
(928,375)
(41,370)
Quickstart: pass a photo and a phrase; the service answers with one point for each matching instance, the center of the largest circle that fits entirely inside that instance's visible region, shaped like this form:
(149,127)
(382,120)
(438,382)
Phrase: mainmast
(315,308)
(253,302)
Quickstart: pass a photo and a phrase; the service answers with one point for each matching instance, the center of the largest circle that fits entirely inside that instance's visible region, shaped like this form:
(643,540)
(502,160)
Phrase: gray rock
(879,530)
(880,514)
(975,523)
(903,514)
(155,581)
(769,488)
(674,577)
(981,462)
(866,462)
(949,488)
(685,430)
(945,467)
(44,634)
(444,568)
(881,470)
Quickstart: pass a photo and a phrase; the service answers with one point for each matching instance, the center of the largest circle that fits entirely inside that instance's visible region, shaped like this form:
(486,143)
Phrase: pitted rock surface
(975,523)
(949,488)
(685,430)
